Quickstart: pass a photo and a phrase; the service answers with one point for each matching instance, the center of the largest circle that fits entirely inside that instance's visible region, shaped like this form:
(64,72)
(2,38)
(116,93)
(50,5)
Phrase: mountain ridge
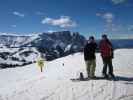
(19,49)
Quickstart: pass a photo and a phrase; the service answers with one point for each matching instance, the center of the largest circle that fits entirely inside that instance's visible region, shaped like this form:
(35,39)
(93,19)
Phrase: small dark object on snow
(62,64)
(81,76)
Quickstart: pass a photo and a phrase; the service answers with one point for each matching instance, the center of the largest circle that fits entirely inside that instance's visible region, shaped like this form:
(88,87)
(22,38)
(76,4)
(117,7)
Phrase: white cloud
(50,31)
(13,26)
(130,28)
(108,17)
(63,22)
(18,14)
(98,14)
(40,13)
(118,1)
(110,26)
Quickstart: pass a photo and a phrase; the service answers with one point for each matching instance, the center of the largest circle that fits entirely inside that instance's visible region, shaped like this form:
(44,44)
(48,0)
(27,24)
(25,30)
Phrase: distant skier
(89,57)
(107,54)
(40,63)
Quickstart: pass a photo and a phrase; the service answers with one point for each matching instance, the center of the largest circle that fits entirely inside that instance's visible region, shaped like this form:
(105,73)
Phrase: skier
(40,63)
(107,54)
(89,57)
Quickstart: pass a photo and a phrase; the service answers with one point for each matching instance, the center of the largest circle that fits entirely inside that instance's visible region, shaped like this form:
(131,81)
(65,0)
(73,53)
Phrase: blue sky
(88,17)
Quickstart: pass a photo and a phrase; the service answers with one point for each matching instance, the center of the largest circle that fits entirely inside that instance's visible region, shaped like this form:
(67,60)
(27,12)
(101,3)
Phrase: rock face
(58,44)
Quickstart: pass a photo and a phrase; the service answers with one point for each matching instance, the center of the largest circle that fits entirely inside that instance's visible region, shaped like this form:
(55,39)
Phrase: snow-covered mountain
(45,40)
(16,50)
(28,83)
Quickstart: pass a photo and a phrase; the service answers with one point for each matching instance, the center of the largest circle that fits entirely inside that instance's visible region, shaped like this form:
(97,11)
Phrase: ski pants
(90,67)
(107,62)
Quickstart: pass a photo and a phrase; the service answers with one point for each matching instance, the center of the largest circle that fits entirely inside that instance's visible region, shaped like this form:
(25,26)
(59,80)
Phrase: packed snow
(28,83)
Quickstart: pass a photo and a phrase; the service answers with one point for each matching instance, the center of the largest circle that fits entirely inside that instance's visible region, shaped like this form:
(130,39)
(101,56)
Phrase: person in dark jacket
(89,57)
(107,54)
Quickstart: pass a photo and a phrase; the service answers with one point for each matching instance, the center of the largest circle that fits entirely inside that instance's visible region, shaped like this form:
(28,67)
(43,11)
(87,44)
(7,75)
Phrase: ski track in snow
(48,86)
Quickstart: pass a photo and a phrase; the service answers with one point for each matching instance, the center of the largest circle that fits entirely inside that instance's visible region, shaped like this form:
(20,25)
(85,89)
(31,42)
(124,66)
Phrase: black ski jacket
(89,51)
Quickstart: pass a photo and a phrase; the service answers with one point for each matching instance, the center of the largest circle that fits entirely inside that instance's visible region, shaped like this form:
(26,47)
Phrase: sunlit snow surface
(28,83)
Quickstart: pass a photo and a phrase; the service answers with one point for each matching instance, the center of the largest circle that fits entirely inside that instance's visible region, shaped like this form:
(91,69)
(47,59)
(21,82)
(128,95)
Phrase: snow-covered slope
(12,57)
(28,83)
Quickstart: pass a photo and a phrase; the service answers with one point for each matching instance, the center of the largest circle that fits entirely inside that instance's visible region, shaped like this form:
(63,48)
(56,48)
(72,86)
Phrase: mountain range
(18,50)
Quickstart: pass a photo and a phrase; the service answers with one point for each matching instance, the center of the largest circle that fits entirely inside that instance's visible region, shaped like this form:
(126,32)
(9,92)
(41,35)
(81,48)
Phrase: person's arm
(109,42)
(85,52)
(112,49)
(85,48)
(96,47)
(99,47)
